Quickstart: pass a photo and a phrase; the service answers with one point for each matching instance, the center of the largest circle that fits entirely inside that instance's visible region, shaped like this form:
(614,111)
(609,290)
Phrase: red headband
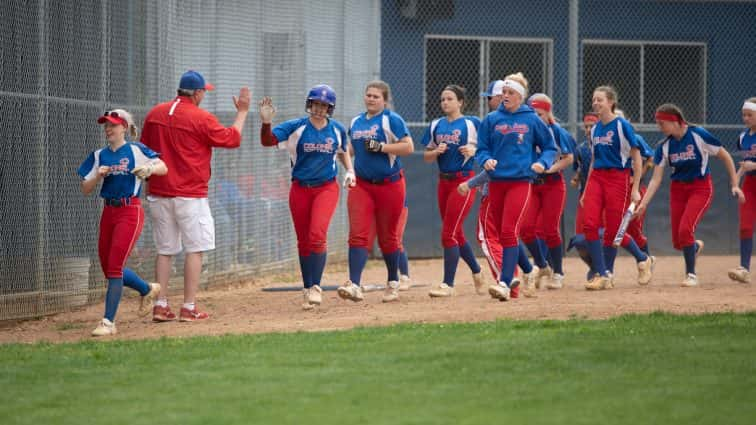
(590,119)
(541,104)
(668,116)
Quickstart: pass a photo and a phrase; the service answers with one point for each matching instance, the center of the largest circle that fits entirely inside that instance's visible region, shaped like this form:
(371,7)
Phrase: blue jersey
(460,132)
(563,139)
(688,157)
(645,150)
(612,143)
(119,182)
(312,151)
(386,127)
(747,147)
(511,138)
(582,164)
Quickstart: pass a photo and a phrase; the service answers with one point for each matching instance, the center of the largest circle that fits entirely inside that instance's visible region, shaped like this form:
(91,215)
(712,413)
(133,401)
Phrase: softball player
(747,146)
(450,141)
(378,137)
(121,166)
(687,149)
(635,228)
(312,142)
(614,149)
(540,226)
(507,142)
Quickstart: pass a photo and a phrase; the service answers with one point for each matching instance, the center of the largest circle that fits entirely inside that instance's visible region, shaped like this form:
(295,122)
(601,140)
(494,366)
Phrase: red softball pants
(120,228)
(605,200)
(688,201)
(635,228)
(544,212)
(508,203)
(311,211)
(454,208)
(748,209)
(382,203)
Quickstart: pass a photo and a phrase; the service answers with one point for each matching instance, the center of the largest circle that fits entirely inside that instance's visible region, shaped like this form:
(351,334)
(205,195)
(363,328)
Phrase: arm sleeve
(544,140)
(219,136)
(88,168)
(483,153)
(267,138)
(479,180)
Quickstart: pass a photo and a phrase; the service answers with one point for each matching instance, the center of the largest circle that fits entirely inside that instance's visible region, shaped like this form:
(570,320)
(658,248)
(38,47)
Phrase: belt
(455,175)
(121,202)
(390,179)
(543,178)
(313,184)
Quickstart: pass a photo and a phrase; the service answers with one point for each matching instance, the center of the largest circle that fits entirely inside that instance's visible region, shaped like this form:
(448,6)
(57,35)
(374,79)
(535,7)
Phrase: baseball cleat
(162,314)
(350,291)
(312,297)
(556,281)
(530,280)
(145,304)
(545,272)
(106,327)
(442,291)
(740,274)
(689,281)
(499,291)
(391,293)
(405,283)
(600,282)
(645,270)
(186,315)
(480,283)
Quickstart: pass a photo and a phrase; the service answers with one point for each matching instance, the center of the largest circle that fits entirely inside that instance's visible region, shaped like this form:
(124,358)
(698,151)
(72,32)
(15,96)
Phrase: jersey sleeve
(283,131)
(428,140)
(398,126)
(629,132)
(483,153)
(342,135)
(220,136)
(564,141)
(659,156)
(645,149)
(142,154)
(473,123)
(711,144)
(89,167)
(544,139)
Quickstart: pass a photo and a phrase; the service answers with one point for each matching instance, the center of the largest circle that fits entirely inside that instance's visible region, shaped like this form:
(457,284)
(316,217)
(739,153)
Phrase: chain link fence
(694,54)
(63,63)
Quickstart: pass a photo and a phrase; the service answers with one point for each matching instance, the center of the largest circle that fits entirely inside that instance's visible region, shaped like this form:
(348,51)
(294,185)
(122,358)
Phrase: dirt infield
(248,309)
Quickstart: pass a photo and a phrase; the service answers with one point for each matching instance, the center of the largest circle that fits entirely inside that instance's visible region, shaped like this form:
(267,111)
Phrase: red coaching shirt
(184,134)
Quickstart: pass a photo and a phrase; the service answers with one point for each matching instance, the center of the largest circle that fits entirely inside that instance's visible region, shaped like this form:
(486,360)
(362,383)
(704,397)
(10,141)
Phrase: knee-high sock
(133,281)
(357,260)
(304,267)
(317,266)
(539,258)
(689,253)
(597,257)
(746,248)
(392,265)
(610,254)
(113,297)
(508,261)
(633,249)
(466,252)
(522,259)
(556,259)
(403,263)
(451,259)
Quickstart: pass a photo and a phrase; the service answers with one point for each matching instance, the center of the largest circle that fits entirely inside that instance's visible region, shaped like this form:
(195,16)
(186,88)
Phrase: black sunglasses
(113,114)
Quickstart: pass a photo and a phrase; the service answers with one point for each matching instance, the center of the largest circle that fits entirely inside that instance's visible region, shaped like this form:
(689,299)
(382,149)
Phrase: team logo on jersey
(371,133)
(604,140)
(749,154)
(688,155)
(327,147)
(520,129)
(449,139)
(122,168)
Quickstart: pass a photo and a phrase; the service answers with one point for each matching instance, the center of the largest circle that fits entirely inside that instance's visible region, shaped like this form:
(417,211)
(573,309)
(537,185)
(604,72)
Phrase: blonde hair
(543,97)
(132,128)
(520,78)
(751,99)
(610,92)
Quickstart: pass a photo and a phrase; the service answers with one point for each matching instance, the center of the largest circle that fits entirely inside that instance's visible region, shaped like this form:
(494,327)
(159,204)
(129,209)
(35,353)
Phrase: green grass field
(655,369)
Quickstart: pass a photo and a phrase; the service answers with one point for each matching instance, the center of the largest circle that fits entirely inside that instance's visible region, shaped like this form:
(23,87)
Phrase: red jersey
(184,135)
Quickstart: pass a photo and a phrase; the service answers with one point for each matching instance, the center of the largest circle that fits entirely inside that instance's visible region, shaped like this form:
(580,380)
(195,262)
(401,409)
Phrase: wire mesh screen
(63,63)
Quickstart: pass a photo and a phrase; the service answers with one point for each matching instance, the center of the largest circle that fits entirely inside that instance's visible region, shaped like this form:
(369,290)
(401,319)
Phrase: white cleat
(545,272)
(530,281)
(391,294)
(499,291)
(740,274)
(442,291)
(350,291)
(690,281)
(480,283)
(556,281)
(645,270)
(105,328)
(405,283)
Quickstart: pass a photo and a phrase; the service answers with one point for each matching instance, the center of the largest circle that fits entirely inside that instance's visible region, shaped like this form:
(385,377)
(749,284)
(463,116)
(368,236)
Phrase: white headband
(514,85)
(749,106)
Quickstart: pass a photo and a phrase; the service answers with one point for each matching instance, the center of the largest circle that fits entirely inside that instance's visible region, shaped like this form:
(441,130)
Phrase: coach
(184,135)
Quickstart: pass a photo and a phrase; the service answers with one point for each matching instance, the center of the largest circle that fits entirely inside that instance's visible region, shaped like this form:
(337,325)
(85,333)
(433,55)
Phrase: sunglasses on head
(113,114)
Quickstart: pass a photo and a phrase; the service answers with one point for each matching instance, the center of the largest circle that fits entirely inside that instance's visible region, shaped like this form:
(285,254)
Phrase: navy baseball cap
(495,88)
(193,80)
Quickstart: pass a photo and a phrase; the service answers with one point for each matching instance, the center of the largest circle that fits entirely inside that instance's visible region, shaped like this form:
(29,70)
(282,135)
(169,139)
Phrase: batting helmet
(321,93)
